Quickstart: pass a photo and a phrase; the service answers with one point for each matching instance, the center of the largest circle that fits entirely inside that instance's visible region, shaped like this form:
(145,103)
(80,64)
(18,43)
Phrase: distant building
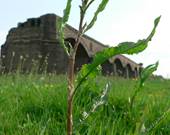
(34,45)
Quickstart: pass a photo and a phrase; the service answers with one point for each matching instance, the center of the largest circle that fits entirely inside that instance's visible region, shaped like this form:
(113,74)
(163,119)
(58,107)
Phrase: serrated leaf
(146,72)
(99,9)
(61,24)
(122,48)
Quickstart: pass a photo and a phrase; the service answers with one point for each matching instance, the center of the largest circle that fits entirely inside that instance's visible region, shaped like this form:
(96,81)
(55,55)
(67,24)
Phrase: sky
(122,20)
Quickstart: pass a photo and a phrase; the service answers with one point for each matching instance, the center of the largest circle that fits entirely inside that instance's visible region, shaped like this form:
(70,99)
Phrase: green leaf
(66,12)
(158,121)
(146,72)
(96,71)
(156,22)
(122,48)
(99,9)
(61,24)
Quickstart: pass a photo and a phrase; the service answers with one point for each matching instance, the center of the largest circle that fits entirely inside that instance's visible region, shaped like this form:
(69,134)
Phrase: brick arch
(82,56)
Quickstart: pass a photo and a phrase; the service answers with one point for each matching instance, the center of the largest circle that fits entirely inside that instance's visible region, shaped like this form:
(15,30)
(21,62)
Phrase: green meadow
(36,105)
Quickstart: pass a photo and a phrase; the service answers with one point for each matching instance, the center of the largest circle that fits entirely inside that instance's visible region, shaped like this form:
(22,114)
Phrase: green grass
(36,105)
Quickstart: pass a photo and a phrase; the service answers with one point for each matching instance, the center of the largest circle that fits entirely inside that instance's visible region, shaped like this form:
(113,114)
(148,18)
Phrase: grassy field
(36,105)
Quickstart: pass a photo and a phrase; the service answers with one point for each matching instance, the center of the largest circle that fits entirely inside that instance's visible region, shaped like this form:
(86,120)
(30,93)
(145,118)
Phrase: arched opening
(118,68)
(70,40)
(107,68)
(81,55)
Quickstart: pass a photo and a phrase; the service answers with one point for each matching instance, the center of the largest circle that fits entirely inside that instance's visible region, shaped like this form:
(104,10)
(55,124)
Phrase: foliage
(146,72)
(62,23)
(72,51)
(144,75)
(122,48)
(99,9)
(36,104)
(99,58)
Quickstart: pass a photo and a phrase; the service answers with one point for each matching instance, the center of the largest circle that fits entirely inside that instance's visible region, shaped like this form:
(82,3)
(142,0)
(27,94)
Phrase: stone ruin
(34,46)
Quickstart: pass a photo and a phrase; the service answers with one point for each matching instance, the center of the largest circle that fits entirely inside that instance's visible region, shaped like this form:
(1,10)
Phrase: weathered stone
(34,47)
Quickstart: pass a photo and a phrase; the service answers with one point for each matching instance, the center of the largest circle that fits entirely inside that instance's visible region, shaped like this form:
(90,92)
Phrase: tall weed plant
(91,70)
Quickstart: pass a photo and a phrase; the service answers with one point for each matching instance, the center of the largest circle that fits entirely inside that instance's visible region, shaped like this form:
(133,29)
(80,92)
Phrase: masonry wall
(33,46)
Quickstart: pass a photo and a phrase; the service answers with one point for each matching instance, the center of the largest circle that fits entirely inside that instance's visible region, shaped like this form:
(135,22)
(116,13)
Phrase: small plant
(90,70)
(146,72)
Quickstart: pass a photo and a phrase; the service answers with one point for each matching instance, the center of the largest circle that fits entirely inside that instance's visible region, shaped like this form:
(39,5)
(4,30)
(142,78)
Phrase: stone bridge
(34,46)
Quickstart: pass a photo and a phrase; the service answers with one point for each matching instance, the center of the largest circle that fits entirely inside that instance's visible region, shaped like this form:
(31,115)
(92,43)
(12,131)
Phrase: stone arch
(118,67)
(82,56)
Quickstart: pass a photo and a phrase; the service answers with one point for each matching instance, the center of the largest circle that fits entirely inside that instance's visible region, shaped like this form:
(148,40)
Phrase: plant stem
(71,66)
(70,95)
(71,86)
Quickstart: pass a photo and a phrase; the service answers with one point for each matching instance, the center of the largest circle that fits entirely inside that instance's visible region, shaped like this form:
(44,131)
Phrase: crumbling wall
(33,43)
(33,46)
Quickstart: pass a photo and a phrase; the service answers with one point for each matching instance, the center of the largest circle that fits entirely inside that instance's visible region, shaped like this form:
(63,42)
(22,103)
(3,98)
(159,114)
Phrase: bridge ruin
(34,45)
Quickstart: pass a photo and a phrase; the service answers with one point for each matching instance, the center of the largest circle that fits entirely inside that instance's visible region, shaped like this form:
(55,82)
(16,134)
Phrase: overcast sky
(123,20)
